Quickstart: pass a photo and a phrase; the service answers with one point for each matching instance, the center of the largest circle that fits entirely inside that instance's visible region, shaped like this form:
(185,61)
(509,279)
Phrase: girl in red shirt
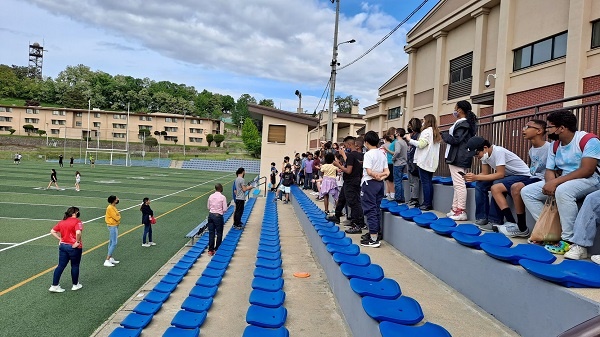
(68,233)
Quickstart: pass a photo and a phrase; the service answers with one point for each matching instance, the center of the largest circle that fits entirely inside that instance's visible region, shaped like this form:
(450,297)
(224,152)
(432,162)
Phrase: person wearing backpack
(571,174)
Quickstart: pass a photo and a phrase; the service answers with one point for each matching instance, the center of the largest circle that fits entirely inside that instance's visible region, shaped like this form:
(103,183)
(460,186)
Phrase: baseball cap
(475,144)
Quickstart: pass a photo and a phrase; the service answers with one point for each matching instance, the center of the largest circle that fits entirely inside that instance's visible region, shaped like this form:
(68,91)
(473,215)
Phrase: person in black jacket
(414,182)
(456,156)
(147,213)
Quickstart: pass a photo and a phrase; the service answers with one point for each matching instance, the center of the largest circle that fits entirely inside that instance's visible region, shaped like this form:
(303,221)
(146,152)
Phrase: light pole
(299,94)
(333,70)
(184,115)
(47,134)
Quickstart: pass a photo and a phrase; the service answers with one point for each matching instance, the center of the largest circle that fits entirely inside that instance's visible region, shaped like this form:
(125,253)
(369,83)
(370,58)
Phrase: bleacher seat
(358,260)
(157,297)
(169,278)
(385,288)
(256,331)
(188,320)
(389,329)
(403,310)
(572,274)
(266,317)
(269,299)
(147,308)
(268,273)
(521,251)
(467,229)
(203,292)
(196,304)
(272,264)
(267,284)
(349,250)
(335,235)
(410,213)
(165,287)
(473,241)
(206,281)
(268,255)
(124,332)
(178,332)
(372,272)
(136,321)
(210,272)
(345,241)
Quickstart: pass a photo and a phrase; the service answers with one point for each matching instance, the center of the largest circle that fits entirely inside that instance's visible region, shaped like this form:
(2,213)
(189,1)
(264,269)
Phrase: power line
(385,37)
(323,94)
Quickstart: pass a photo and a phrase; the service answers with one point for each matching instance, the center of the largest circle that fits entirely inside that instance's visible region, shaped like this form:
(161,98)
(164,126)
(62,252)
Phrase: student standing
(389,148)
(239,189)
(53,179)
(68,233)
(112,219)
(457,156)
(217,205)
(287,179)
(427,157)
(60,160)
(77,180)
(273,176)
(71,161)
(308,172)
(414,131)
(329,185)
(399,159)
(147,215)
(375,170)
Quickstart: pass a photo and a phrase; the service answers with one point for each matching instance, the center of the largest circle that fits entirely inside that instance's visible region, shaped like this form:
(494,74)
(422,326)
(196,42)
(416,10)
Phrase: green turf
(29,211)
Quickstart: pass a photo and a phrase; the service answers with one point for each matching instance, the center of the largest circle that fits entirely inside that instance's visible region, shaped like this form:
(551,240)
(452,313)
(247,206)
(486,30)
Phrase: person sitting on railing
(509,169)
(533,131)
(571,174)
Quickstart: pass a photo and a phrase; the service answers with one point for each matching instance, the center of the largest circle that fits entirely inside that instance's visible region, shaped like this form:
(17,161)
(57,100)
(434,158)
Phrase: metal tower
(36,60)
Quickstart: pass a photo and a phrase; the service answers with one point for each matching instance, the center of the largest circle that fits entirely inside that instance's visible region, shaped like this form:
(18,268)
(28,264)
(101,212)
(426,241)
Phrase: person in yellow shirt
(113,219)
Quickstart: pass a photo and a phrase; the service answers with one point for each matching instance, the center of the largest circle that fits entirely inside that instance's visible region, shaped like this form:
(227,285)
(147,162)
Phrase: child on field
(329,185)
(77,180)
(375,170)
(273,177)
(287,179)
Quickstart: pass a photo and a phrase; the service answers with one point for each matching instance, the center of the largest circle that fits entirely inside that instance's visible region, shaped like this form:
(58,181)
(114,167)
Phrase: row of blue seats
(534,258)
(266,314)
(382,297)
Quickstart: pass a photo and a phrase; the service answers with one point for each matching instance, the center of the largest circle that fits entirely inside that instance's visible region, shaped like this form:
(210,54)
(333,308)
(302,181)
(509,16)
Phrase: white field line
(28,203)
(128,208)
(7,243)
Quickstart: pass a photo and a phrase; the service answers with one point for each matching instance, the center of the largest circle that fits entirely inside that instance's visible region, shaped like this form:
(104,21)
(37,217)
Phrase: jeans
(147,232)
(215,225)
(113,236)
(415,186)
(398,186)
(587,221)
(486,208)
(566,195)
(371,195)
(426,181)
(307,180)
(239,210)
(67,253)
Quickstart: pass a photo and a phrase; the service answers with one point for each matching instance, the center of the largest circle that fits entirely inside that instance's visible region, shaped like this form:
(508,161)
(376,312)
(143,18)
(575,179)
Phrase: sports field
(28,254)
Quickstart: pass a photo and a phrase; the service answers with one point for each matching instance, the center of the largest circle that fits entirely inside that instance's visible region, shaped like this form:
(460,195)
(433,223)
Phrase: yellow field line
(18,285)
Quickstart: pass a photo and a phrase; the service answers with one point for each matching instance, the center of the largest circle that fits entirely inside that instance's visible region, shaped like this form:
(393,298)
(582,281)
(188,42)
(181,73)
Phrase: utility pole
(333,72)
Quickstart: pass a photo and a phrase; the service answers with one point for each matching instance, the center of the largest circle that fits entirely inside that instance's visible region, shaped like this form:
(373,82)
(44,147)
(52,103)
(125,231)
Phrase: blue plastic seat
(136,321)
(266,317)
(372,272)
(193,255)
(436,179)
(221,258)
(124,332)
(183,265)
(332,229)
(389,329)
(447,222)
(196,304)
(269,299)
(396,209)
(264,263)
(446,181)
(256,331)
(385,288)
(188,320)
(337,235)
(403,310)
(203,292)
(572,274)
(521,251)
(210,272)
(269,255)
(267,284)
(269,249)
(269,237)
(269,243)
(206,281)
(214,264)
(147,308)
(157,297)
(358,260)
(345,241)
(467,229)
(165,287)
(386,204)
(268,273)
(473,241)
(410,213)
(177,272)
(425,219)
(348,250)
(186,259)
(178,332)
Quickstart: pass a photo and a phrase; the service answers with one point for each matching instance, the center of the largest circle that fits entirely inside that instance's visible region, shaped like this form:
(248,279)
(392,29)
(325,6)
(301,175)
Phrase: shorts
(531,181)
(391,176)
(508,181)
(285,189)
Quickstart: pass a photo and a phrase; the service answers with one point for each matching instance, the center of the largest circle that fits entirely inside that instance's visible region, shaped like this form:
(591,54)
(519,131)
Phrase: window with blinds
(276,134)
(460,76)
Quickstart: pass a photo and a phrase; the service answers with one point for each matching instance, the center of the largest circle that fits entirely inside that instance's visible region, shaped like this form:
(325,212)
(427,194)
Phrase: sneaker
(238,227)
(512,230)
(211,253)
(459,216)
(596,259)
(576,252)
(76,287)
(451,213)
(152,243)
(145,245)
(487,226)
(426,208)
(365,237)
(334,219)
(481,222)
(353,230)
(371,243)
(413,202)
(113,261)
(108,264)
(285,202)
(56,289)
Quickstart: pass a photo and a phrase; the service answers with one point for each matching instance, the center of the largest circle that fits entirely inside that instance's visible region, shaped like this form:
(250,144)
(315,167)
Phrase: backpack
(582,142)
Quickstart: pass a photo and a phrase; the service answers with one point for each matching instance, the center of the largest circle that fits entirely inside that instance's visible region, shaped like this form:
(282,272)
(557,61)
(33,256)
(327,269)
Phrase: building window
(119,126)
(192,130)
(195,140)
(32,120)
(170,120)
(170,138)
(5,119)
(595,35)
(96,124)
(3,109)
(276,134)
(394,113)
(541,51)
(118,135)
(77,123)
(5,128)
(145,127)
(194,121)
(170,129)
(32,111)
(58,122)
(115,116)
(78,114)
(55,131)
(96,115)
(59,113)
(460,76)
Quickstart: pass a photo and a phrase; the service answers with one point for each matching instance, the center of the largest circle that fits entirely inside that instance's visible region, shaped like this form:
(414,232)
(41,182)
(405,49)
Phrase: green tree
(251,137)
(144,132)
(175,140)
(9,83)
(41,132)
(219,139)
(240,113)
(344,104)
(12,131)
(28,128)
(267,102)
(151,142)
(227,103)
(209,138)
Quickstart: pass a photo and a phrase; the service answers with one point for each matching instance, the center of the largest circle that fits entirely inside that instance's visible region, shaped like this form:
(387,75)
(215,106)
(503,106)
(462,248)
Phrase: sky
(266,48)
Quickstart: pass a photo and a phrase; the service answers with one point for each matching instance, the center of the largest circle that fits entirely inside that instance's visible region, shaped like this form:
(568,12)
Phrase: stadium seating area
(229,165)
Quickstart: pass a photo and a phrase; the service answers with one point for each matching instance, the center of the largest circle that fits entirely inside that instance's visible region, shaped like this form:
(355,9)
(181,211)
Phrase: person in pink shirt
(68,233)
(217,205)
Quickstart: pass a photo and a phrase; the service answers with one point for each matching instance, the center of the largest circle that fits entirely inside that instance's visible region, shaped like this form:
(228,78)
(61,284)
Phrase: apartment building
(108,125)
(499,55)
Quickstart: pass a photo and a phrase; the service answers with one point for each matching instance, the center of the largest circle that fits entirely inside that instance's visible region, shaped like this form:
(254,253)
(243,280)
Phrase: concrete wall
(295,141)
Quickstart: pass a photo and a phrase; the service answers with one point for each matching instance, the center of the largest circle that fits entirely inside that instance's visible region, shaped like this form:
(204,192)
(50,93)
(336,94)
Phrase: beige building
(108,125)
(283,134)
(499,55)
(344,125)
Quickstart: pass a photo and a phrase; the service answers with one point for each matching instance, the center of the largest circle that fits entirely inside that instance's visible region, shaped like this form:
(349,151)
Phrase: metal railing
(505,128)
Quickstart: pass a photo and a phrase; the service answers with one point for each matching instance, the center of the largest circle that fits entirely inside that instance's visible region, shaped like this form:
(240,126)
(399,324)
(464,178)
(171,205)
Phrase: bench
(197,231)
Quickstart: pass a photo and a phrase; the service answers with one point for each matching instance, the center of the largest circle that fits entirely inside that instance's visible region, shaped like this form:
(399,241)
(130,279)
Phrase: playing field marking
(28,203)
(6,243)
(18,285)
(69,196)
(100,217)
(29,219)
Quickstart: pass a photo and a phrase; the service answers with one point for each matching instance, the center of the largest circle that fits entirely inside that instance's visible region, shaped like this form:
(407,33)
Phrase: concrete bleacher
(228,165)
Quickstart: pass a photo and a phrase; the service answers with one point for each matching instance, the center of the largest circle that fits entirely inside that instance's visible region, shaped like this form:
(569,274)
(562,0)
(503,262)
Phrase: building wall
(425,68)
(295,141)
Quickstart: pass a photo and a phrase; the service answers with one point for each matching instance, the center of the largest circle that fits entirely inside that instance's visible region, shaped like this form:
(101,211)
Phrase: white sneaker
(451,213)
(152,243)
(512,230)
(459,216)
(596,259)
(76,286)
(108,264)
(145,245)
(113,261)
(56,289)
(576,252)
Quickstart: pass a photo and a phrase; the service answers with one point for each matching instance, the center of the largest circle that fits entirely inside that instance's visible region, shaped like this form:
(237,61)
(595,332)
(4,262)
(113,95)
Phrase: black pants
(215,226)
(350,195)
(239,210)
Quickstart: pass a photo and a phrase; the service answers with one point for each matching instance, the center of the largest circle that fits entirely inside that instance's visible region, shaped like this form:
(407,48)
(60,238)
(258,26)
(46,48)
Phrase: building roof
(285,115)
